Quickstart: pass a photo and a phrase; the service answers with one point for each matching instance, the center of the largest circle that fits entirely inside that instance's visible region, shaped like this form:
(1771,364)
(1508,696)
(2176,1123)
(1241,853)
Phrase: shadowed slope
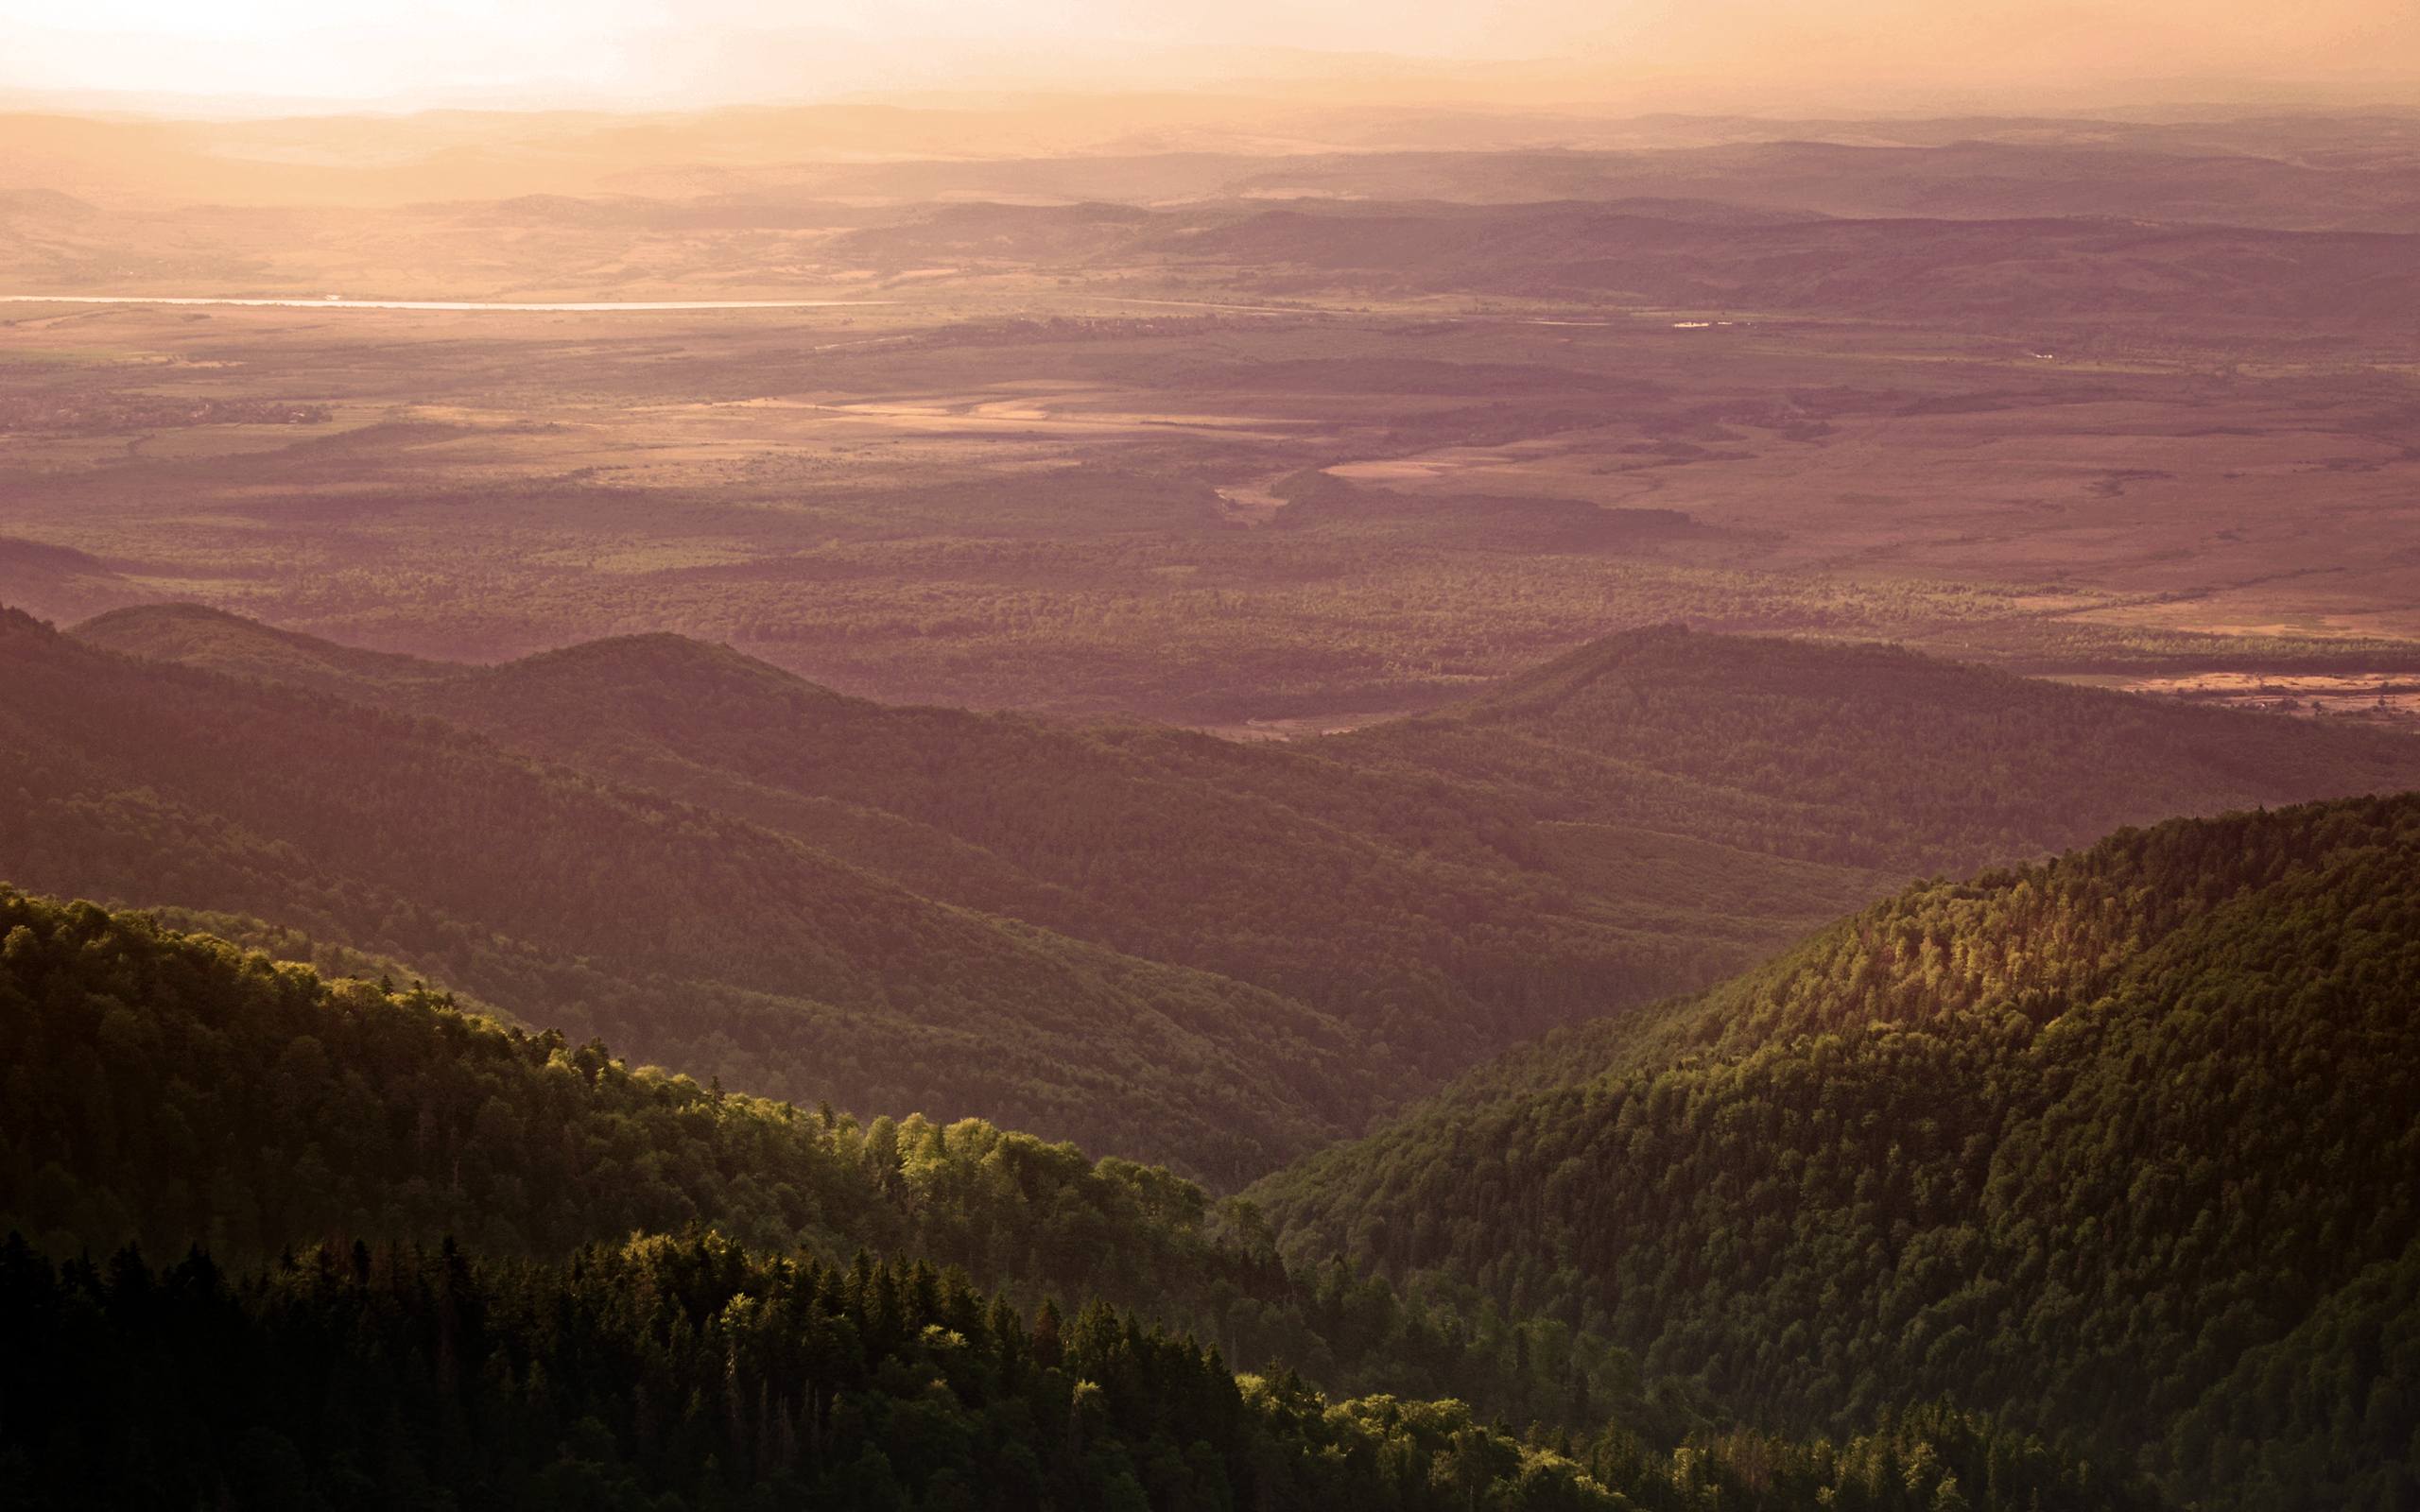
(1865,755)
(689,936)
(1418,911)
(1633,819)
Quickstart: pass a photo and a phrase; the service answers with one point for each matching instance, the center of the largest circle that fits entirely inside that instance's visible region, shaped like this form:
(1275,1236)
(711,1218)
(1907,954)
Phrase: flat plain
(1236,518)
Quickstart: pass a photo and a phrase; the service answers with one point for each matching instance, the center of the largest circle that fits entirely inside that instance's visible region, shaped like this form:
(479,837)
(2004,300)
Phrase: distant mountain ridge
(2029,257)
(1386,897)
(2296,218)
(2248,167)
(1865,753)
(1328,926)
(703,940)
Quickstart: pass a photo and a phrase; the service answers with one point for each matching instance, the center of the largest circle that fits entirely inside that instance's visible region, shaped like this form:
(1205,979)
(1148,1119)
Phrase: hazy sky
(548,51)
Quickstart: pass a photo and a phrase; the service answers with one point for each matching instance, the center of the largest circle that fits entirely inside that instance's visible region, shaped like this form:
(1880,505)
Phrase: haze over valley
(1099,756)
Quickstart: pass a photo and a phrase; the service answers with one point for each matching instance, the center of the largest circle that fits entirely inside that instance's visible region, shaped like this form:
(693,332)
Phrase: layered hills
(2120,1145)
(1114,927)
(711,943)
(2294,169)
(2098,1161)
(1868,755)
(634,1077)
(2024,229)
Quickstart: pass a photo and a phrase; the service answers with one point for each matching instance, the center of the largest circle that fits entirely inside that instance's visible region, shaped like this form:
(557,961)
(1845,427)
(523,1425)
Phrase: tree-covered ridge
(1423,913)
(692,937)
(2298,1420)
(1399,907)
(169,1089)
(673,1373)
(1636,818)
(201,1094)
(2119,1147)
(1867,755)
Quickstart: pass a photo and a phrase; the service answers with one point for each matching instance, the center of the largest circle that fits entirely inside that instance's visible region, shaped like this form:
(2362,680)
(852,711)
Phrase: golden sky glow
(697,51)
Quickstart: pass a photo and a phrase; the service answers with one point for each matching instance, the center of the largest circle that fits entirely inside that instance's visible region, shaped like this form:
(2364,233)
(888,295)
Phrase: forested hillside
(1864,756)
(669,1374)
(165,1089)
(2120,1146)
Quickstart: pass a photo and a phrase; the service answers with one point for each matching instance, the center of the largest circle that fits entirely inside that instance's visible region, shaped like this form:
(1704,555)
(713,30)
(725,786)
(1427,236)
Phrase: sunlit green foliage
(2073,1144)
(676,1373)
(168,1091)
(672,1373)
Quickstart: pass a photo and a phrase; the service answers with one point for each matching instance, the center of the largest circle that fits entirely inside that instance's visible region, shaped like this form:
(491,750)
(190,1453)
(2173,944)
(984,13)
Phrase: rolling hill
(1400,905)
(1864,755)
(1911,1160)
(1637,818)
(60,583)
(697,939)
(1608,771)
(168,1088)
(2120,1145)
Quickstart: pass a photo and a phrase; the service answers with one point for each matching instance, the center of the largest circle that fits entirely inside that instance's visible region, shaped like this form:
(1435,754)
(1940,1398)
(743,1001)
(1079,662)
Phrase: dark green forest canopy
(197,1091)
(169,1089)
(2122,1147)
(666,1374)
